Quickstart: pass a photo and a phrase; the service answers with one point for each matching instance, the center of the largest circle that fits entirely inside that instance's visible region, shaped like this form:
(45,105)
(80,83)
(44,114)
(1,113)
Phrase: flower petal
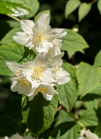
(63,77)
(56,60)
(45,47)
(13,66)
(38,29)
(20,37)
(16,136)
(47,76)
(41,60)
(27,68)
(44,20)
(27,26)
(50,92)
(60,33)
(27,137)
(91,135)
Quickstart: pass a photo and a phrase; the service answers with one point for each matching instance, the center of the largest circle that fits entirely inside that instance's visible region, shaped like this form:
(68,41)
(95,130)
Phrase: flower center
(40,38)
(41,89)
(37,72)
(56,69)
(23,82)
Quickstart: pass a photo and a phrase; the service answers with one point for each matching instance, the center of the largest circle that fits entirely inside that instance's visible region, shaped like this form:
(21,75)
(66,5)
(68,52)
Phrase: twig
(93,1)
(59,108)
(17,19)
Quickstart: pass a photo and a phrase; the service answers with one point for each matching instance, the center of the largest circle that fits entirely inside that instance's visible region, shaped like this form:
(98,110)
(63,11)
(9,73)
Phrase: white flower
(40,76)
(60,76)
(57,42)
(20,83)
(39,37)
(47,90)
(89,135)
(38,72)
(17,136)
(33,77)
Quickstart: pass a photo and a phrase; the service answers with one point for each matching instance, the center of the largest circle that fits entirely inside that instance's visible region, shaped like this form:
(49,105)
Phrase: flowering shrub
(48,88)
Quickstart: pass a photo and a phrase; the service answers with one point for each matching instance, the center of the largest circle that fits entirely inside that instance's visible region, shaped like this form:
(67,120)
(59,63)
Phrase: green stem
(93,1)
(17,19)
(76,120)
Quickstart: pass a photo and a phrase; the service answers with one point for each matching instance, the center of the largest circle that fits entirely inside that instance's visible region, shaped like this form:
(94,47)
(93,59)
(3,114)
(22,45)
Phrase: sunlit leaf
(88,77)
(71,5)
(19,7)
(84,10)
(73,42)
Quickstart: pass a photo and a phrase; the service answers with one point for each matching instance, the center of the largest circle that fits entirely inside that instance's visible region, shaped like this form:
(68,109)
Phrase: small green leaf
(71,5)
(73,42)
(40,13)
(40,113)
(8,38)
(8,126)
(67,130)
(84,10)
(99,5)
(98,130)
(13,109)
(68,91)
(19,7)
(89,118)
(97,60)
(10,53)
(88,77)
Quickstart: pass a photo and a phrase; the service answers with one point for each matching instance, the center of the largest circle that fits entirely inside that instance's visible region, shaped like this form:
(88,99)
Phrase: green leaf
(14,109)
(98,130)
(88,77)
(68,91)
(70,69)
(84,10)
(89,118)
(73,42)
(67,130)
(97,90)
(97,60)
(40,13)
(8,38)
(8,126)
(40,113)
(63,117)
(71,5)
(19,7)
(14,53)
(91,100)
(25,108)
(10,53)
(99,5)
(67,94)
(33,5)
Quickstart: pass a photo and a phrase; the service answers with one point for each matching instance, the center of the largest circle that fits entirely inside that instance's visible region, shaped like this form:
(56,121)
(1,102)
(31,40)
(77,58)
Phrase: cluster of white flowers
(45,72)
(17,136)
(89,135)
